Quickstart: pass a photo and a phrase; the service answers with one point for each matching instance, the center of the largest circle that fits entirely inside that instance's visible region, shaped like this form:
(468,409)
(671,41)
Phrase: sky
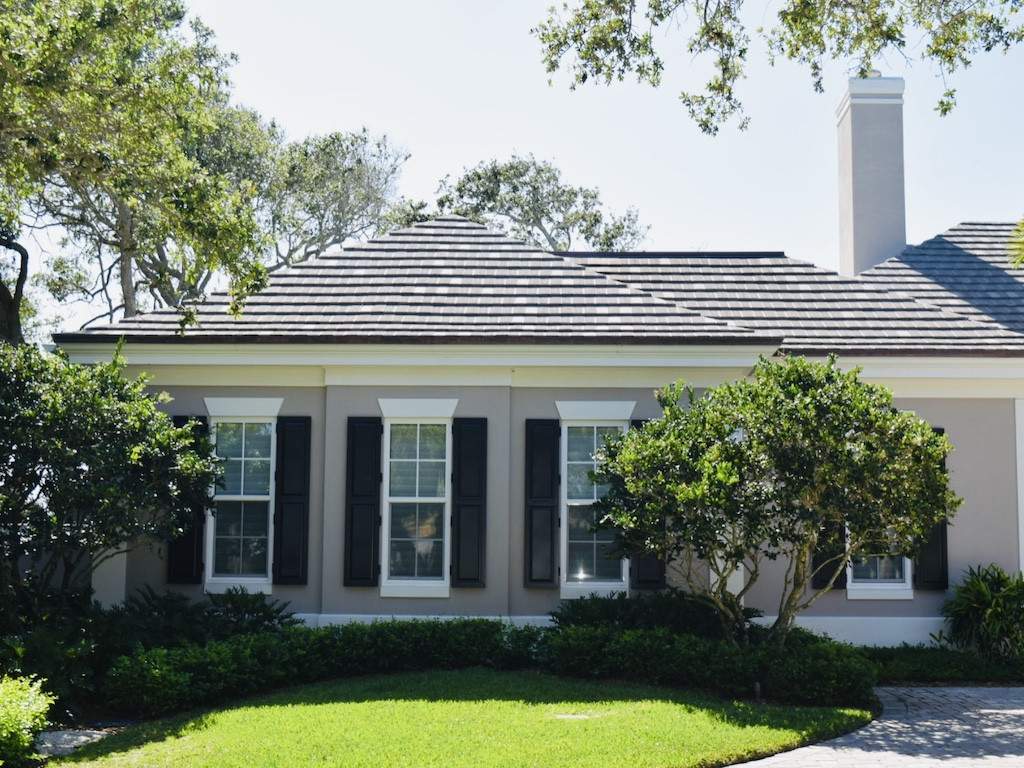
(455,82)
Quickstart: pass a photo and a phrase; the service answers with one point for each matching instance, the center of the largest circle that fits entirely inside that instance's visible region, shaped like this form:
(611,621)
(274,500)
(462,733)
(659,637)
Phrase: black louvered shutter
(645,571)
(931,566)
(542,484)
(291,503)
(826,552)
(362,501)
(185,553)
(469,502)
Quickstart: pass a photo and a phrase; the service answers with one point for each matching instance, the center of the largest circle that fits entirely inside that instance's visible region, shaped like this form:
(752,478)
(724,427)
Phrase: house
(407,425)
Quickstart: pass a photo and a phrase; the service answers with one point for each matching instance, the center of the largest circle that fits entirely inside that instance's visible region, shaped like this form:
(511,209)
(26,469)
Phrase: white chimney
(872,217)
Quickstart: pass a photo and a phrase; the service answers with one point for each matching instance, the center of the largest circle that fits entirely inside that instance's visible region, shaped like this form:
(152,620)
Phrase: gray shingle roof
(446,280)
(966,270)
(815,310)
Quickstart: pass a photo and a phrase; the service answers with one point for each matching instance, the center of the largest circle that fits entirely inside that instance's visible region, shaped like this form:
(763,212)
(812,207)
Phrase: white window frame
(436,588)
(881,590)
(569,590)
(219,584)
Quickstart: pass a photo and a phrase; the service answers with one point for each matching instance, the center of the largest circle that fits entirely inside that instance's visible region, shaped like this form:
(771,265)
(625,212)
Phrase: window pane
(607,569)
(581,562)
(228,520)
(890,568)
(430,521)
(403,441)
(581,443)
(432,441)
(431,478)
(429,559)
(226,557)
(578,482)
(254,557)
(403,478)
(864,568)
(604,433)
(257,477)
(581,521)
(403,559)
(254,518)
(229,440)
(257,441)
(231,484)
(403,521)
(604,534)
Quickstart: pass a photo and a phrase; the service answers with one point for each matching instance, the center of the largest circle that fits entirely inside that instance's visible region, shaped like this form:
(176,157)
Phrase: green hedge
(922,664)
(161,680)
(23,710)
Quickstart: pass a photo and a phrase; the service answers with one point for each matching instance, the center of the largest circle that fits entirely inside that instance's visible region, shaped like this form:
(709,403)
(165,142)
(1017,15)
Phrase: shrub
(921,664)
(670,609)
(23,710)
(986,613)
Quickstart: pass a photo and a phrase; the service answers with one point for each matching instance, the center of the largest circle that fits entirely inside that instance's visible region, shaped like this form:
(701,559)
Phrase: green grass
(474,718)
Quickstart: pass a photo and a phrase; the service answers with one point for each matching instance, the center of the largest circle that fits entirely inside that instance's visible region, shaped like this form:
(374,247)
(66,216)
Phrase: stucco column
(109,580)
(1018,412)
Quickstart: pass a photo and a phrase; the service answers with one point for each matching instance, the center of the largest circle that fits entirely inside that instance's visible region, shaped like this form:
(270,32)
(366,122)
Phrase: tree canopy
(90,463)
(529,199)
(771,468)
(606,40)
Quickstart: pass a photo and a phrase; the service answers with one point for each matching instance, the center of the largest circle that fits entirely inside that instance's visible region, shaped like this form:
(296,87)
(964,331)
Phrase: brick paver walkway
(925,728)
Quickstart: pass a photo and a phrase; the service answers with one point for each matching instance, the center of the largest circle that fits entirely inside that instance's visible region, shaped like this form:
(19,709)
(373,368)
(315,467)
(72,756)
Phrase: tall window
(586,549)
(241,529)
(417,499)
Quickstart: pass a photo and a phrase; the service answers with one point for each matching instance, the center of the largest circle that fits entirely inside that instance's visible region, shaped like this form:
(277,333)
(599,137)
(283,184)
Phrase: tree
(529,199)
(799,456)
(605,40)
(90,463)
(99,102)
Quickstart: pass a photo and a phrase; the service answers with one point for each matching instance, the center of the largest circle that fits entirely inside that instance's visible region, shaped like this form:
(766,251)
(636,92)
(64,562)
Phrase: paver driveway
(925,728)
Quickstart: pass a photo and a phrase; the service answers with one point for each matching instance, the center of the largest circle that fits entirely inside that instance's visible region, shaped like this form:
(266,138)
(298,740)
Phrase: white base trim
(327,619)
(871,630)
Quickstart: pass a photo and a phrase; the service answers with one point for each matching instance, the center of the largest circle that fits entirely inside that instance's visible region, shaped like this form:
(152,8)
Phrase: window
(241,525)
(416,507)
(585,551)
(879,575)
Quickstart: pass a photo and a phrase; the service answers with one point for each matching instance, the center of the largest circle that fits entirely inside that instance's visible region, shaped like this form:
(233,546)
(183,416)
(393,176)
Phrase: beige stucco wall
(982,468)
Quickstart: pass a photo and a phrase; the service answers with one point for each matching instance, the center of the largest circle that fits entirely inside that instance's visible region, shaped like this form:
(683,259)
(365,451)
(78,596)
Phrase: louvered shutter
(469,502)
(542,484)
(645,571)
(291,503)
(185,553)
(931,566)
(362,501)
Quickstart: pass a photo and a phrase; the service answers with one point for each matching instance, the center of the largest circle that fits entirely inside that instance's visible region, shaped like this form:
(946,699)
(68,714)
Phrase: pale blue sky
(457,82)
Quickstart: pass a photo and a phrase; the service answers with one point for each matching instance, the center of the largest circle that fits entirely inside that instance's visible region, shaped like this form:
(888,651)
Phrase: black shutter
(362,502)
(542,482)
(824,553)
(931,566)
(185,553)
(469,501)
(291,503)
(645,571)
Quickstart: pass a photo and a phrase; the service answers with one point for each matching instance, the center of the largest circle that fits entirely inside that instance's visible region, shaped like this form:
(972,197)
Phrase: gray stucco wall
(982,469)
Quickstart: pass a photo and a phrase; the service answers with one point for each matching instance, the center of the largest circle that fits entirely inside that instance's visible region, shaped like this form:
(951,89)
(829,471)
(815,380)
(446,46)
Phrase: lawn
(474,717)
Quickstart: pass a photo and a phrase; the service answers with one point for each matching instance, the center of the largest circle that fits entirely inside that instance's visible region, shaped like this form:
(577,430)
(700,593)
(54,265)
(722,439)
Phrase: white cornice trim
(914,367)
(596,410)
(511,355)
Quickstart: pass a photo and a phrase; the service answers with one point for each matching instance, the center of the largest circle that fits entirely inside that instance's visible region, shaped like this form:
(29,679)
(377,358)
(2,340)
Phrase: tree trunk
(126,265)
(10,303)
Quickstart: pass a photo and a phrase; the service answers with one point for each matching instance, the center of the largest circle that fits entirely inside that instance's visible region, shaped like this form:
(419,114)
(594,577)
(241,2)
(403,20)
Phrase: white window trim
(417,408)
(881,590)
(414,587)
(592,411)
(220,584)
(245,407)
(569,590)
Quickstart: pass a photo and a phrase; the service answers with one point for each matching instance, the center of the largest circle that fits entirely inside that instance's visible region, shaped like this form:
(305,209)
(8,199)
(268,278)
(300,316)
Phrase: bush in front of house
(935,664)
(23,710)
(986,613)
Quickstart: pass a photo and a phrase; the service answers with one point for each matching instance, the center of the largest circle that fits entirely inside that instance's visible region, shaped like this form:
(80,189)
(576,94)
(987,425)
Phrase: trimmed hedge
(23,710)
(162,680)
(923,664)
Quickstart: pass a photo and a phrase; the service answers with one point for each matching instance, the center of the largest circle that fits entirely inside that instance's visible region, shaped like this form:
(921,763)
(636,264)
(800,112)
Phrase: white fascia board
(504,355)
(914,367)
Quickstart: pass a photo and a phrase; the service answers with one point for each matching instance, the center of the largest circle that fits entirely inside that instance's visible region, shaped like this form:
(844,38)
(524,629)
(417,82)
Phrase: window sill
(879,592)
(218,586)
(414,589)
(572,591)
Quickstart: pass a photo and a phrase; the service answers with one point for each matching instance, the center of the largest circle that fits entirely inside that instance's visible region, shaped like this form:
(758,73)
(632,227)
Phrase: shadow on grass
(482,685)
